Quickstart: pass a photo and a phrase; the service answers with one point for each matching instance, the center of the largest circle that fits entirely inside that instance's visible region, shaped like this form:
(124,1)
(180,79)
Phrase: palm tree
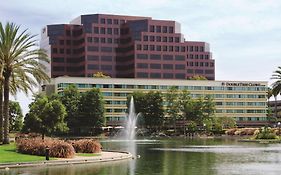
(276,86)
(22,65)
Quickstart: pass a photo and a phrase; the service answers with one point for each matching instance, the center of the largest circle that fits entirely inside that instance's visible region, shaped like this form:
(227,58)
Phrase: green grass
(8,154)
(88,154)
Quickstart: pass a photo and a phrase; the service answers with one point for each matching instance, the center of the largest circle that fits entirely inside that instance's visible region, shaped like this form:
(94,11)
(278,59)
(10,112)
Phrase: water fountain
(130,129)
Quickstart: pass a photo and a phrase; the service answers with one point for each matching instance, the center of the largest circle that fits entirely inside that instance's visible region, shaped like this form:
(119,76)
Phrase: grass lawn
(8,154)
(88,154)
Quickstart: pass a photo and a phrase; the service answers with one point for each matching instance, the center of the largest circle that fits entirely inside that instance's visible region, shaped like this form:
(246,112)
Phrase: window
(102,40)
(180,76)
(180,66)
(116,31)
(206,64)
(190,71)
(106,67)
(55,50)
(199,71)
(171,48)
(152,47)
(58,68)
(177,48)
(182,49)
(171,29)
(152,28)
(142,75)
(102,21)
(142,56)
(116,41)
(106,49)
(191,48)
(168,75)
(68,51)
(201,49)
(115,21)
(158,48)
(96,40)
(96,30)
(109,21)
(152,38)
(165,39)
(142,65)
(155,75)
(109,40)
(155,66)
(92,66)
(155,57)
(62,51)
(179,58)
(68,42)
(206,57)
(92,58)
(139,47)
(158,29)
(102,30)
(165,29)
(109,31)
(145,38)
(122,21)
(167,57)
(171,39)
(61,42)
(196,49)
(106,58)
(158,38)
(58,59)
(89,39)
(168,66)
(93,48)
(177,39)
(165,48)
(145,47)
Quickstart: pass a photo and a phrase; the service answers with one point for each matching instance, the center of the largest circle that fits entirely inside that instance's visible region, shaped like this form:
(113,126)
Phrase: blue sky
(244,35)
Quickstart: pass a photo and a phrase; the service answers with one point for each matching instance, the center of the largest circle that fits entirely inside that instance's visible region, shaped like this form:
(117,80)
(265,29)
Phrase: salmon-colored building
(125,47)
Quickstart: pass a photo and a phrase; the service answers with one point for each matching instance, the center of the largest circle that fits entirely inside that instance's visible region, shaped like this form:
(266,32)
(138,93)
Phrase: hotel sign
(240,84)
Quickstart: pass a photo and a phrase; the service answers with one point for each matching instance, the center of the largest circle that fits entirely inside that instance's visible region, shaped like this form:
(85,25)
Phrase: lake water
(177,157)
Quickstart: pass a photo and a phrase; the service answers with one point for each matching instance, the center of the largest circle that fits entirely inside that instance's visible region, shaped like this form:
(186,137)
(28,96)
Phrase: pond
(177,157)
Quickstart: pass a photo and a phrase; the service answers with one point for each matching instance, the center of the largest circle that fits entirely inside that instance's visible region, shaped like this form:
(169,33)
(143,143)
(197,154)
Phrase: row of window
(164,48)
(116,102)
(102,40)
(200,64)
(101,49)
(251,119)
(169,57)
(116,110)
(159,66)
(258,111)
(241,103)
(112,21)
(154,87)
(103,30)
(161,29)
(158,75)
(170,39)
(99,67)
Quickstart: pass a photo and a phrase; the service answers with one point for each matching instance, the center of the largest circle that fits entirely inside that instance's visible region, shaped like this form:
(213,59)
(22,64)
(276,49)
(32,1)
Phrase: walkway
(105,156)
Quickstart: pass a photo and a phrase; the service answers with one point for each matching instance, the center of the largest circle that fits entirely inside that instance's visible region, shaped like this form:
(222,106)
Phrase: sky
(244,35)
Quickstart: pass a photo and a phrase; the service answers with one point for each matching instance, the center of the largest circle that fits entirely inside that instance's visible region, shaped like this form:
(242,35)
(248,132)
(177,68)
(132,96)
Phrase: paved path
(105,156)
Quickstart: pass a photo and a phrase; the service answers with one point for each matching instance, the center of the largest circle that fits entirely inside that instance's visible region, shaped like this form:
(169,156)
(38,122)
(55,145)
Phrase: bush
(230,131)
(266,133)
(86,146)
(36,146)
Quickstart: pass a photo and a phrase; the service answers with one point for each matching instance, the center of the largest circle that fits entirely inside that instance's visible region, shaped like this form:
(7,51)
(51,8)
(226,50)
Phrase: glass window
(158,48)
(155,57)
(152,28)
(145,38)
(102,21)
(89,39)
(92,58)
(167,57)
(171,39)
(179,66)
(171,48)
(115,21)
(171,29)
(155,75)
(165,39)
(109,40)
(158,38)
(152,38)
(182,49)
(102,40)
(109,31)
(158,29)
(145,47)
(93,48)
(142,75)
(179,57)
(165,48)
(155,66)
(102,30)
(152,47)
(92,67)
(142,65)
(138,46)
(109,21)
(168,75)
(177,39)
(116,31)
(106,49)
(168,66)
(180,76)
(165,29)
(142,56)
(106,67)
(106,58)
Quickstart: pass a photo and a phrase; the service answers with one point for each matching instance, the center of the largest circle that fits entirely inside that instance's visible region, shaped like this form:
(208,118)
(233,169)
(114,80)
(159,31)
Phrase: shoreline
(106,156)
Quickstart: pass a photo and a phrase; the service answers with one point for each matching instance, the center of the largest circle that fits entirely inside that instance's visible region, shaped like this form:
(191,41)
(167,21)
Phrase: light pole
(278,128)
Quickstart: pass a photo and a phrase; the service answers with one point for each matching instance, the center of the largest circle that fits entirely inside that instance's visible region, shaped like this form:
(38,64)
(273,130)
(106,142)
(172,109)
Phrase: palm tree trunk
(275,107)
(6,108)
(1,113)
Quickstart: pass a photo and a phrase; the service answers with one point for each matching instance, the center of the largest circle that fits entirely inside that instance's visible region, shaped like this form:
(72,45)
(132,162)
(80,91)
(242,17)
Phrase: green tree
(21,62)
(16,116)
(100,75)
(70,98)
(46,116)
(197,77)
(153,112)
(91,112)
(172,107)
(276,86)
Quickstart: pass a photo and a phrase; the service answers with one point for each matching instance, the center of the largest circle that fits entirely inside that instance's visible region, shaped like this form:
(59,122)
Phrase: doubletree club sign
(240,84)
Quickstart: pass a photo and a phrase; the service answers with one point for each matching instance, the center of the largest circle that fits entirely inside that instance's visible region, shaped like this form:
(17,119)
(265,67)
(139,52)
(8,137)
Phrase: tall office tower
(124,47)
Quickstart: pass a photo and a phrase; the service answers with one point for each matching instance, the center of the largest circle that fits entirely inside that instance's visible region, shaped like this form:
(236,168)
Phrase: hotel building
(244,100)
(124,47)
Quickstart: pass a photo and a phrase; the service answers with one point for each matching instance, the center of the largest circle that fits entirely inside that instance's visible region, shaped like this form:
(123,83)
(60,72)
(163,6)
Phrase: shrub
(86,146)
(36,146)
(266,133)
(230,131)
